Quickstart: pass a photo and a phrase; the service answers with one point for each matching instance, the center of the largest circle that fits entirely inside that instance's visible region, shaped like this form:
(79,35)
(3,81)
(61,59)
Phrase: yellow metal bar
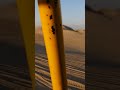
(26,8)
(53,35)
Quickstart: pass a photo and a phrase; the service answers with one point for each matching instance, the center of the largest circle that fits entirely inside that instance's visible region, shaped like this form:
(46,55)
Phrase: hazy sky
(73,12)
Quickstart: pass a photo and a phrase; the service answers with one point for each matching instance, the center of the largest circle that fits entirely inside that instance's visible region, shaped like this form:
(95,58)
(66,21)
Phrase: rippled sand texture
(75,60)
(14,78)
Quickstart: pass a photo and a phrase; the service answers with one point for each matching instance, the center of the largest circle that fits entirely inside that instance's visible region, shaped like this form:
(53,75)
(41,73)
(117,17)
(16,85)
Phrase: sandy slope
(75,60)
(103,52)
(103,37)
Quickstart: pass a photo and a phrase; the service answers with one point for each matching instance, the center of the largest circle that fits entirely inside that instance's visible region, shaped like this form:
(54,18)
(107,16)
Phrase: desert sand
(102,49)
(74,43)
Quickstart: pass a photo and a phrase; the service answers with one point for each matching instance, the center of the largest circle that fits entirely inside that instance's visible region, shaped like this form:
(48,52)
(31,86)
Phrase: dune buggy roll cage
(50,14)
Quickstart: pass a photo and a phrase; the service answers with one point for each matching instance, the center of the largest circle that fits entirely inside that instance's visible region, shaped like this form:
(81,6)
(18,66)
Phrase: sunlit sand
(75,60)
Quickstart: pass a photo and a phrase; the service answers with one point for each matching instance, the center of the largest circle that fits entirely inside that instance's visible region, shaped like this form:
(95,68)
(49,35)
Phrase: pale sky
(73,13)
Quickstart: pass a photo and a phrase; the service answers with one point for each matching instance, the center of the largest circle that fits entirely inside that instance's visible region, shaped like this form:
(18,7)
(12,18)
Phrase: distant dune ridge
(78,36)
(113,12)
(64,27)
(106,12)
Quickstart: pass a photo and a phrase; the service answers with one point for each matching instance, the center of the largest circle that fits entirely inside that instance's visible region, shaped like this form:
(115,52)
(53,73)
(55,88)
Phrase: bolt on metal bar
(50,14)
(25,8)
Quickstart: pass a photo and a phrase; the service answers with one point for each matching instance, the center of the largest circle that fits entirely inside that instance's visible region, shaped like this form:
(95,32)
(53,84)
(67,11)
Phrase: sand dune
(102,38)
(75,60)
(103,52)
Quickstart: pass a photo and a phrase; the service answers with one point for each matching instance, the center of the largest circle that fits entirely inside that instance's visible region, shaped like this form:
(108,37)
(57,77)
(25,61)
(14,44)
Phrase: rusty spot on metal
(53,29)
(51,17)
(49,7)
